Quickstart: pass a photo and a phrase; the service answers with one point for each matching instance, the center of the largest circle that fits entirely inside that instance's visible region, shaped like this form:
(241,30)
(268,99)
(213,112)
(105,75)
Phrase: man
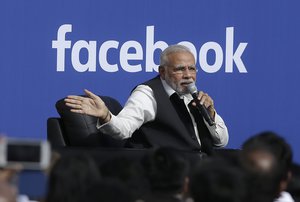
(167,172)
(217,180)
(152,116)
(267,160)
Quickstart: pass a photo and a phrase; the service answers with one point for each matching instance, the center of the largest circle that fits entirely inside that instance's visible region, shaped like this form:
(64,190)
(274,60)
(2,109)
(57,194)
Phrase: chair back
(74,129)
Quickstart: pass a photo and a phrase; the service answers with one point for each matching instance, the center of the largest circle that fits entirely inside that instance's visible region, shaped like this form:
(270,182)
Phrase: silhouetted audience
(167,173)
(71,177)
(216,180)
(130,172)
(260,172)
(109,190)
(267,160)
(294,184)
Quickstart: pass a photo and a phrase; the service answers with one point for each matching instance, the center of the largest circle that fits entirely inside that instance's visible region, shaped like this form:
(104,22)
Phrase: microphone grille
(192,88)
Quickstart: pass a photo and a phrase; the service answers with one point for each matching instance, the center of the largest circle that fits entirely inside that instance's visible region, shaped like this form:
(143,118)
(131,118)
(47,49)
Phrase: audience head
(109,190)
(216,180)
(267,159)
(129,171)
(166,171)
(71,177)
(269,143)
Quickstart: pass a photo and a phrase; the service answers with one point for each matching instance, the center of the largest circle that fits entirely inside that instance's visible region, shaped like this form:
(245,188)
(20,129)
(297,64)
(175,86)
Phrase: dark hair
(215,180)
(109,190)
(166,170)
(294,185)
(71,177)
(266,158)
(129,171)
(276,145)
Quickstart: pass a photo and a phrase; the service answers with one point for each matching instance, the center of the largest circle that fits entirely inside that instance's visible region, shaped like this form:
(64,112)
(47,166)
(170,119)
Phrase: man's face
(180,71)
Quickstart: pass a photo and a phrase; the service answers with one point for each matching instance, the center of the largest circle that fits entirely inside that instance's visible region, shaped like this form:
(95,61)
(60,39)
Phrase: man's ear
(284,183)
(162,71)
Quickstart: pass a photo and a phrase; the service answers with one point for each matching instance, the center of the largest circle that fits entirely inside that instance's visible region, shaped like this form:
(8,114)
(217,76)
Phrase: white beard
(181,90)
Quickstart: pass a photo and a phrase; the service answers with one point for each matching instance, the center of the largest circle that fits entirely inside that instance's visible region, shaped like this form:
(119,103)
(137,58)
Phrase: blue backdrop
(248,53)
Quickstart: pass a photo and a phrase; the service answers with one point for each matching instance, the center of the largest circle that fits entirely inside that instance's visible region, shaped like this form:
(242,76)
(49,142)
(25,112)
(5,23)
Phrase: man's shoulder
(284,197)
(152,80)
(149,84)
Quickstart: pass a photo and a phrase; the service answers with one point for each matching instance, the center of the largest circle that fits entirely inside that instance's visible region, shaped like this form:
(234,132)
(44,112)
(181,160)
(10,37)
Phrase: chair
(73,129)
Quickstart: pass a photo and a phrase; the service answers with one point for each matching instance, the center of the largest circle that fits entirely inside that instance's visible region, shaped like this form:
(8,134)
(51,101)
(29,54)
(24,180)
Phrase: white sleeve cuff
(219,132)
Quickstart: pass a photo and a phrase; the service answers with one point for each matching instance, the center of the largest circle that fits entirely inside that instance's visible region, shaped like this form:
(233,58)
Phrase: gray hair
(172,49)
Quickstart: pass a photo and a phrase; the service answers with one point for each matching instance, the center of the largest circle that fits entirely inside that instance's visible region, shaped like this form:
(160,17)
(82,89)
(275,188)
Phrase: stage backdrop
(247,53)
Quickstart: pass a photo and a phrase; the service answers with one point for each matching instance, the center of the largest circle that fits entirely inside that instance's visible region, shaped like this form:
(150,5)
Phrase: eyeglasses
(182,69)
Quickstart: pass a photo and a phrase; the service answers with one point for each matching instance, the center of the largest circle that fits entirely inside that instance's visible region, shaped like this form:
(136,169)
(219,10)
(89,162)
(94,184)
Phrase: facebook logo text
(223,57)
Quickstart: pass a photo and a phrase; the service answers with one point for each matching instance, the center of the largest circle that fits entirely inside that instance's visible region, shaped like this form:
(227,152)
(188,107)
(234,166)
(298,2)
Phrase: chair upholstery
(73,129)
(55,133)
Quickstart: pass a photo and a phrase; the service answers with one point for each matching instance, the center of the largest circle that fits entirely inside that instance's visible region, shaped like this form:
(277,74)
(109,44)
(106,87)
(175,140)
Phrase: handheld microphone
(194,92)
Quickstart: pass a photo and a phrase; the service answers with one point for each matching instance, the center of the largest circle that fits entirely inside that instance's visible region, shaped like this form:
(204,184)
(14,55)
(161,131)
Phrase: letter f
(61,44)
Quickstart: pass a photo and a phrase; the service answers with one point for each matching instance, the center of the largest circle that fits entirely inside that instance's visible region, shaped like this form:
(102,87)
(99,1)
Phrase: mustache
(186,81)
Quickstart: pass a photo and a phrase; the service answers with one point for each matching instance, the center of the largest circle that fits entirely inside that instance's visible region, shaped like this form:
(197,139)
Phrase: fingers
(205,99)
(75,105)
(80,111)
(74,102)
(90,94)
(95,99)
(90,105)
(6,174)
(75,97)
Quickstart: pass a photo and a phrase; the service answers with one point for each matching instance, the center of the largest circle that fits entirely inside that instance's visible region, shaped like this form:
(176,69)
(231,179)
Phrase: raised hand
(91,105)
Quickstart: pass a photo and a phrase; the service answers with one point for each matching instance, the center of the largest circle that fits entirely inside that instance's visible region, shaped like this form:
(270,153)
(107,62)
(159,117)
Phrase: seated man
(153,115)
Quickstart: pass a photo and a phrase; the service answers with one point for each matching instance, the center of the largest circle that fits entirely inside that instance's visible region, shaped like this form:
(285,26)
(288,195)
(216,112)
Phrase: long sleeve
(139,109)
(218,132)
